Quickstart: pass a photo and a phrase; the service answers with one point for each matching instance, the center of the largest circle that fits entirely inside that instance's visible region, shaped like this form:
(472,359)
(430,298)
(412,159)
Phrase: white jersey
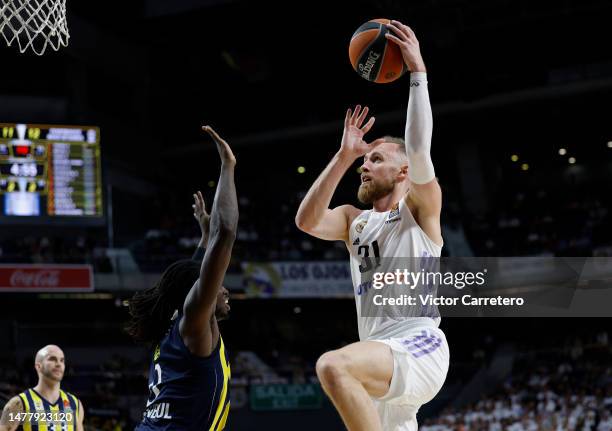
(391,234)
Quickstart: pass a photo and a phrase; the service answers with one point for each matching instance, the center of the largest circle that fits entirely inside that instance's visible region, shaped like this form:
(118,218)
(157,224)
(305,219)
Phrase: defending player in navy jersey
(402,358)
(189,373)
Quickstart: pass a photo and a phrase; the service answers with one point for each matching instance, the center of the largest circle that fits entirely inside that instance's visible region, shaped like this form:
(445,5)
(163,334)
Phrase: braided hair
(151,309)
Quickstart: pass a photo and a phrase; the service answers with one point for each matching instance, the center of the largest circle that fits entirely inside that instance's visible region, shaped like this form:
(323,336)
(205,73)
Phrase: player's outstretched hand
(200,214)
(353,144)
(225,152)
(404,37)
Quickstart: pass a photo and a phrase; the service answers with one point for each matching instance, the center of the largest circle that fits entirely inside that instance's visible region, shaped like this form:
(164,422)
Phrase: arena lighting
(562,151)
(572,160)
(514,158)
(609,144)
(211,184)
(359,170)
(524,166)
(301,169)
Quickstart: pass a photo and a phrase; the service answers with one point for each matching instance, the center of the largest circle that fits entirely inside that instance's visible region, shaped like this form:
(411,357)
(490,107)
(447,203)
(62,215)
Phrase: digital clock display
(48,170)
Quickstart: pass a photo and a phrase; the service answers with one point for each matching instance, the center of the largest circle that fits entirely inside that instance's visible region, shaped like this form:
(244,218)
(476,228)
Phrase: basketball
(373,56)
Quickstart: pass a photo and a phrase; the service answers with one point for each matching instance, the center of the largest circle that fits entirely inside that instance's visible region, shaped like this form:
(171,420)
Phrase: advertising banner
(46,278)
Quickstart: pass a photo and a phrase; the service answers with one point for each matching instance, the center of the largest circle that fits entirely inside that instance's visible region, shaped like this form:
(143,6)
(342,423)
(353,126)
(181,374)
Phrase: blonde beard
(370,192)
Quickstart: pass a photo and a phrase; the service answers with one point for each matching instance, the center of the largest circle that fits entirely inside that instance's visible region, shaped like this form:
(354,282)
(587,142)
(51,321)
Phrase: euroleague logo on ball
(373,56)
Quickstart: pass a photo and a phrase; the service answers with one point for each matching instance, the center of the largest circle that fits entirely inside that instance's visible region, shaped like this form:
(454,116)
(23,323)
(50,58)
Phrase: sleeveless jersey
(186,392)
(44,416)
(388,235)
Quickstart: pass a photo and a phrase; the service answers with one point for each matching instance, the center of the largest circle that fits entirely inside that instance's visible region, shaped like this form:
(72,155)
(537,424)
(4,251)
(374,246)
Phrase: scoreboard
(50,171)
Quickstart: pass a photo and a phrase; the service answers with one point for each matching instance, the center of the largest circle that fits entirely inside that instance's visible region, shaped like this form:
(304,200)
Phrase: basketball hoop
(34,24)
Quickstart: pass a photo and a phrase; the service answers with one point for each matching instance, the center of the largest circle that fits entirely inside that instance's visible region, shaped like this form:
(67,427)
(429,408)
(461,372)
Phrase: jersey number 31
(366,261)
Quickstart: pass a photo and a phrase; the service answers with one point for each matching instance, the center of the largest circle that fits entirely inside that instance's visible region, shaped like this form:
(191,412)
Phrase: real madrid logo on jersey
(359,227)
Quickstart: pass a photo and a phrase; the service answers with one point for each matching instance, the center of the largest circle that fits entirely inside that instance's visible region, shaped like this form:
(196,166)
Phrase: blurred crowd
(537,222)
(61,248)
(519,219)
(555,390)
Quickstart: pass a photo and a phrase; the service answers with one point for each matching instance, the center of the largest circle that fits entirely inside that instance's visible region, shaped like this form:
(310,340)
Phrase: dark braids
(151,309)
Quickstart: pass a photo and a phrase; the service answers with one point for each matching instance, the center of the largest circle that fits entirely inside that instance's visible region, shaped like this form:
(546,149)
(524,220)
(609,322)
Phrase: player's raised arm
(424,189)
(203,218)
(200,302)
(314,215)
(11,419)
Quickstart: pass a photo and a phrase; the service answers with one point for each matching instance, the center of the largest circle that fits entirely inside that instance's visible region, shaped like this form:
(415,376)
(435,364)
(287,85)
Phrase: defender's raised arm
(200,302)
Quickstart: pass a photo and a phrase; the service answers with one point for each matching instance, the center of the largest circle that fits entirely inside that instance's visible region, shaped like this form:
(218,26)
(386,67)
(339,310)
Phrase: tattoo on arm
(11,419)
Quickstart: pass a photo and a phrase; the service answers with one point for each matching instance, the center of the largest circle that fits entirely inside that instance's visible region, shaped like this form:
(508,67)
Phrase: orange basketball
(373,56)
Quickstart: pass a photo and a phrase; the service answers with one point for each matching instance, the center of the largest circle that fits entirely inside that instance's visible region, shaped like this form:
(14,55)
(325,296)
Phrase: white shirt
(384,237)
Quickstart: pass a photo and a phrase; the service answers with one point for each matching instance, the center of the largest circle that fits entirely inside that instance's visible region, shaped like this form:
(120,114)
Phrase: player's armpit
(427,197)
(334,225)
(10,420)
(426,201)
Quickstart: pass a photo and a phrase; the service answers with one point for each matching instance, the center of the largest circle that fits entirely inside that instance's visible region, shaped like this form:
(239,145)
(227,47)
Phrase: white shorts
(420,364)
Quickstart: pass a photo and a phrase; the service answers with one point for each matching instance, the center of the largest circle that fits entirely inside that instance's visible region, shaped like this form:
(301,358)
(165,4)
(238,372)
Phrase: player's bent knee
(331,367)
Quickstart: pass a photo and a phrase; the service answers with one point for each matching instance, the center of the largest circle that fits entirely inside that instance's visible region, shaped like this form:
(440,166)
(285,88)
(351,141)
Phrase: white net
(34,24)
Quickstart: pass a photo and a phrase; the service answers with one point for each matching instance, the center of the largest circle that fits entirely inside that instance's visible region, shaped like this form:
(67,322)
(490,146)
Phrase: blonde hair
(401,145)
(394,140)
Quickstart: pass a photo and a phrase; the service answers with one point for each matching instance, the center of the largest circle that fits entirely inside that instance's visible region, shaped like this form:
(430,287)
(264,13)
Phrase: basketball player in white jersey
(399,364)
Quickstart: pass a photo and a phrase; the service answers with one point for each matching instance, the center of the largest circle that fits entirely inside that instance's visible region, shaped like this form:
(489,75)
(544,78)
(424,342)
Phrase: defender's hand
(405,38)
(225,152)
(353,144)
(200,214)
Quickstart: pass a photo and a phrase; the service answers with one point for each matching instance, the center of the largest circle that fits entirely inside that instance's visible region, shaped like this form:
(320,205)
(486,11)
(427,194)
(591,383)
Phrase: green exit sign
(286,397)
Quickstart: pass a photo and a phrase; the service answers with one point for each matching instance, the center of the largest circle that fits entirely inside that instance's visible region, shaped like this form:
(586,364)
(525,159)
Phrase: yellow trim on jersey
(42,423)
(226,377)
(224,417)
(27,426)
(42,406)
(77,408)
(65,399)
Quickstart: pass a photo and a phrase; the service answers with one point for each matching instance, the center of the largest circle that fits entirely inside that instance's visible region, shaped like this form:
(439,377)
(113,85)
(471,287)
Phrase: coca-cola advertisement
(46,278)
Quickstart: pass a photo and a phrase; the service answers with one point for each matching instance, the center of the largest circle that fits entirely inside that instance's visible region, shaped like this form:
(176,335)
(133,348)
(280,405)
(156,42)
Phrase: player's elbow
(303,223)
(224,232)
(300,222)
(228,232)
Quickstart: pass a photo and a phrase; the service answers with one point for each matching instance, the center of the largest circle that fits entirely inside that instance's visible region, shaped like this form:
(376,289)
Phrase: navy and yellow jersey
(186,392)
(41,415)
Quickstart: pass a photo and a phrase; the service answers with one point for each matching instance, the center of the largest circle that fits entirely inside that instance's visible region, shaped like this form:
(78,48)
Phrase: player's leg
(350,376)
